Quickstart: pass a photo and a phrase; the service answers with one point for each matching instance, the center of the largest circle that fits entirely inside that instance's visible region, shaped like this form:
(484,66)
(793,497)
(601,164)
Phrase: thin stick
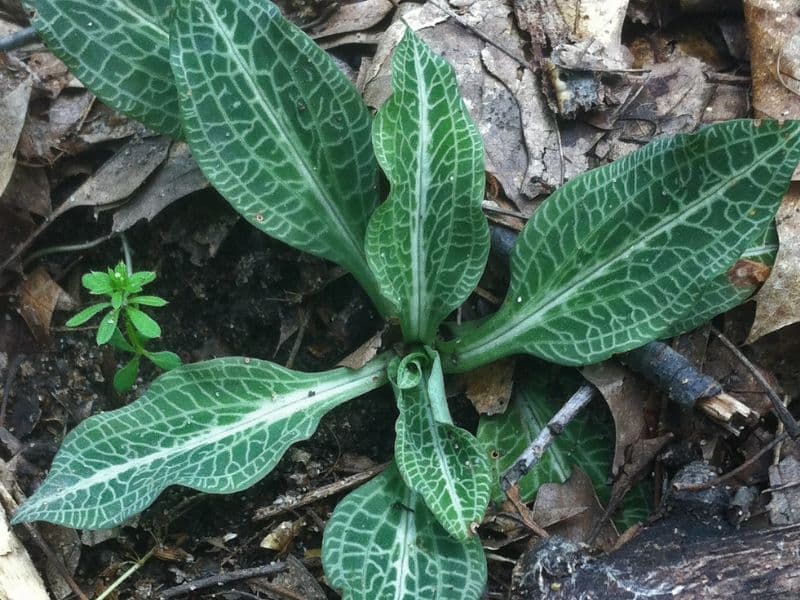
(534,452)
(121,579)
(18,39)
(777,404)
(222,579)
(698,487)
(321,493)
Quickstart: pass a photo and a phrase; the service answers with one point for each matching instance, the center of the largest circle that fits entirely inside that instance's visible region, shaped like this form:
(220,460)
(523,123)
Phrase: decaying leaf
(179,176)
(364,353)
(13,108)
(283,534)
(576,492)
(625,395)
(489,387)
(778,301)
(352,17)
(39,297)
(784,507)
(28,190)
(773,28)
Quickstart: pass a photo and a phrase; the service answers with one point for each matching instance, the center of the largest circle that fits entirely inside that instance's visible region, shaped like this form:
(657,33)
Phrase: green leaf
(217,426)
(164,360)
(138,280)
(382,543)
(143,323)
(119,49)
(428,243)
(616,257)
(97,283)
(445,464)
(108,326)
(116,300)
(148,301)
(126,376)
(277,128)
(120,343)
(86,314)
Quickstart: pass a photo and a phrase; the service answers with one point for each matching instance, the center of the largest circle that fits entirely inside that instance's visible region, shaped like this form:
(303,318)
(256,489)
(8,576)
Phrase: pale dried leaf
(282,535)
(576,492)
(778,301)
(489,387)
(179,176)
(625,395)
(39,297)
(353,17)
(364,353)
(13,108)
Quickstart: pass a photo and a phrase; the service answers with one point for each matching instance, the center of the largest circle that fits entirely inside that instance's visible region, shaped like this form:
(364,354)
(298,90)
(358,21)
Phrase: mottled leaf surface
(382,543)
(217,426)
(276,127)
(617,256)
(428,243)
(444,464)
(119,49)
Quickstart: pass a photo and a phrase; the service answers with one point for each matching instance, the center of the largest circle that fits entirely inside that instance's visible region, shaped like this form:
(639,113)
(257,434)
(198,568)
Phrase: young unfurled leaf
(136,281)
(87,313)
(216,426)
(445,464)
(277,128)
(148,301)
(382,542)
(108,325)
(97,283)
(126,376)
(119,49)
(428,243)
(143,323)
(164,360)
(615,257)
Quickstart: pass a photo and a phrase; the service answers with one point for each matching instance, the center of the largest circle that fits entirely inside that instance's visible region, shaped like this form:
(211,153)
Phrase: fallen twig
(698,487)
(792,428)
(318,494)
(20,38)
(555,426)
(221,579)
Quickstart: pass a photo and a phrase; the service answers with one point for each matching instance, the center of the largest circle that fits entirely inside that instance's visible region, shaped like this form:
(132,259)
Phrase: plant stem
(121,579)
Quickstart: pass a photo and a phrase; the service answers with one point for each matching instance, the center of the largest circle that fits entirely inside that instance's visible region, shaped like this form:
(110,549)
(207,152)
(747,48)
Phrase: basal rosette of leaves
(619,256)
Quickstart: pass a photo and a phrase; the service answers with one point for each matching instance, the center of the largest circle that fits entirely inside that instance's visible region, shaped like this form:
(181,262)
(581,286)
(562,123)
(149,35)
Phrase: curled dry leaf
(489,387)
(39,297)
(13,108)
(625,395)
(778,301)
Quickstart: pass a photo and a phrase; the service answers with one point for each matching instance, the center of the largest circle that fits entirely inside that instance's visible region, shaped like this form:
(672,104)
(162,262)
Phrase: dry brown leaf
(778,301)
(625,395)
(282,535)
(13,108)
(364,353)
(489,387)
(28,190)
(122,174)
(42,140)
(784,507)
(576,492)
(356,16)
(773,27)
(39,297)
(66,544)
(178,177)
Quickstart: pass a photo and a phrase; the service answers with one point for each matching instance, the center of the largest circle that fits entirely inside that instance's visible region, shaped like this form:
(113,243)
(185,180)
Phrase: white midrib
(417,306)
(354,246)
(290,404)
(506,332)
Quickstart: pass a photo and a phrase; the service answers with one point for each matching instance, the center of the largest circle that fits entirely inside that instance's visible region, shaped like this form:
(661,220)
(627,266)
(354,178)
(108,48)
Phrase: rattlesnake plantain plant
(619,256)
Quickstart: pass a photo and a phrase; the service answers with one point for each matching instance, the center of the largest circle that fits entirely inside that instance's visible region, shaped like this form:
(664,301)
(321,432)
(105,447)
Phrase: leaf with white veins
(119,49)
(619,255)
(382,543)
(277,128)
(217,426)
(428,243)
(445,464)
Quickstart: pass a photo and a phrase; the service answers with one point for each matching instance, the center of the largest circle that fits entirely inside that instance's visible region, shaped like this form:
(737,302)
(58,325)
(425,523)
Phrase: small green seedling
(125,325)
(624,254)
